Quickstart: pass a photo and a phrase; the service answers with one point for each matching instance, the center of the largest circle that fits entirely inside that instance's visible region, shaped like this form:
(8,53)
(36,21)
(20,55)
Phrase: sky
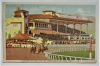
(84,10)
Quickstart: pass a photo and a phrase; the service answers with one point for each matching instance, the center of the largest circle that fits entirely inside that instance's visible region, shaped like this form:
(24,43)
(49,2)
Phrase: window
(46,20)
(30,24)
(14,33)
(45,25)
(13,25)
(35,24)
(39,24)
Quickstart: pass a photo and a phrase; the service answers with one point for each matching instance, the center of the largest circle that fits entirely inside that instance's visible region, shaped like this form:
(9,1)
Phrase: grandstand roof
(48,16)
(39,21)
(49,11)
(74,20)
(41,16)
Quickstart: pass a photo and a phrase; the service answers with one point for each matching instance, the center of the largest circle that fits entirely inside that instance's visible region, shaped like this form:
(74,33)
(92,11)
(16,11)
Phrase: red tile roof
(18,13)
(22,37)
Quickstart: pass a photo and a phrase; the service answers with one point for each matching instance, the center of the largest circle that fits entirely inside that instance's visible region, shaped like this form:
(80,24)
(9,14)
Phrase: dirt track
(23,54)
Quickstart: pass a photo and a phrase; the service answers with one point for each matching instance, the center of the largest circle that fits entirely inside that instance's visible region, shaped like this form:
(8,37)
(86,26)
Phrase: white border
(27,64)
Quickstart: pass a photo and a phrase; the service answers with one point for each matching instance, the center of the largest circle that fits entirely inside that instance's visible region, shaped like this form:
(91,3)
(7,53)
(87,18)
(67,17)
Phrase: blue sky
(84,10)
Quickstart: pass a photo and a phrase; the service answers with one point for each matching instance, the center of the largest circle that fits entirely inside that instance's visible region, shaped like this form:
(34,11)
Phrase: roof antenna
(62,10)
(22,7)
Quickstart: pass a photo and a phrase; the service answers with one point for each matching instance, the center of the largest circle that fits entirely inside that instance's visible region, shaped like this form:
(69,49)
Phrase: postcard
(49,32)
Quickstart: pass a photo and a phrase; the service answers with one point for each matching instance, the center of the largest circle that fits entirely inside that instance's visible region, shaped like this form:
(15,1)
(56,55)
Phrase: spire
(17,8)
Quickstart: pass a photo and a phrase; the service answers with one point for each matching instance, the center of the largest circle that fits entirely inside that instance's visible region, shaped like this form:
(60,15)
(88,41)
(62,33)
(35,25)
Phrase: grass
(84,54)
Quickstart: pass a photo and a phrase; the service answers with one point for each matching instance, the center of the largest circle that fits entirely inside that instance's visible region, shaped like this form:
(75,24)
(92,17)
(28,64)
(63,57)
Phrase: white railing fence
(65,45)
(48,53)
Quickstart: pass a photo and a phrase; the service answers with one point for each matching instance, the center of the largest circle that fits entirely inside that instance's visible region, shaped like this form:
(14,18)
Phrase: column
(66,28)
(80,30)
(87,28)
(57,25)
(33,25)
(37,24)
(73,28)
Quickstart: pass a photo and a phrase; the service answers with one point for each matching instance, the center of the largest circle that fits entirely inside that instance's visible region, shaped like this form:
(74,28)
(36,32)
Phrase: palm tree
(44,41)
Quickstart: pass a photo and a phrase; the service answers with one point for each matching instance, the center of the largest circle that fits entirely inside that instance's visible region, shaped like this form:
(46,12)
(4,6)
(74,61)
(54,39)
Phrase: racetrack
(24,53)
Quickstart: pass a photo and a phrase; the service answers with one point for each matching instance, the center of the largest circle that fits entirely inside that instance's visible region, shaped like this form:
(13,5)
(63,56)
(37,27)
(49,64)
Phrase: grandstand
(50,25)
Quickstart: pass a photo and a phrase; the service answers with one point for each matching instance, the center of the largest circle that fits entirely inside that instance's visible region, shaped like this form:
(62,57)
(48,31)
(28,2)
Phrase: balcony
(32,27)
(43,28)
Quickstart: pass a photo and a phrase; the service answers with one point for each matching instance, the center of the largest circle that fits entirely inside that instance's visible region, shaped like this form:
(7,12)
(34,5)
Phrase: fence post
(61,57)
(53,56)
(75,58)
(58,57)
(70,58)
(66,58)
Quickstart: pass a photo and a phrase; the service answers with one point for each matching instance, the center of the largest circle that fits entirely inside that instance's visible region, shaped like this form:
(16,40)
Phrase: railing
(49,54)
(62,57)
(66,45)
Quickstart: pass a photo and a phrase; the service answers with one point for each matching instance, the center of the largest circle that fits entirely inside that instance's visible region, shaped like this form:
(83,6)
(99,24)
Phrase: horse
(33,49)
(42,49)
(39,50)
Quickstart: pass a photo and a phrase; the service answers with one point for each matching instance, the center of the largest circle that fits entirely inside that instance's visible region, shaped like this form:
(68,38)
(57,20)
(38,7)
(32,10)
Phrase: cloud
(59,11)
(88,12)
(53,8)
(80,10)
(35,9)
(42,7)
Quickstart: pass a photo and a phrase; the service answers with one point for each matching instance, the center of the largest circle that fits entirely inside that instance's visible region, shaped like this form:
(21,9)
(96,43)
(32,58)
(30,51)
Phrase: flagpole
(90,54)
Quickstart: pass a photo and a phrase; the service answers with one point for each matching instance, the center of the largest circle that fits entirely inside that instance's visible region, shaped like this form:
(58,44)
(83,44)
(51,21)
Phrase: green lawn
(77,54)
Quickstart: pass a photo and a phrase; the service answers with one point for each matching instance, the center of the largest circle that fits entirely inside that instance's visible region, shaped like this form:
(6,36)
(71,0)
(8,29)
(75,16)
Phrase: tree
(6,35)
(19,32)
(44,41)
(9,35)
